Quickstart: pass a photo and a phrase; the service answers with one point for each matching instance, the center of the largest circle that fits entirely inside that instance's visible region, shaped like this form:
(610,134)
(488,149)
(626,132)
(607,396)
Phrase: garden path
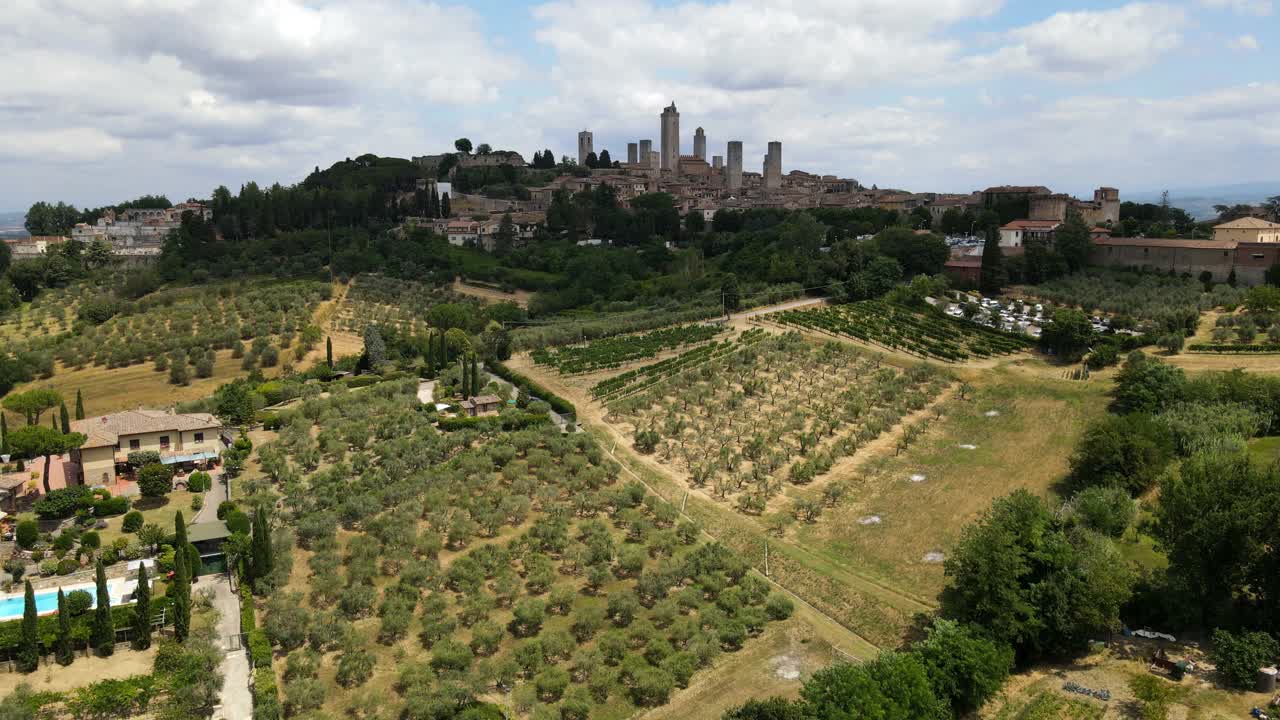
(236,700)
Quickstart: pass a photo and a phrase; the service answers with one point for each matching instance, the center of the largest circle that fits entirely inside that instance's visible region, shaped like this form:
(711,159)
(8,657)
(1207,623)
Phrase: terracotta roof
(1167,243)
(1031,225)
(105,430)
(1247,223)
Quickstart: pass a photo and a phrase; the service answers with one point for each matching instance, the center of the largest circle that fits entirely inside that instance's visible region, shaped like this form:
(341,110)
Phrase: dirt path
(519,297)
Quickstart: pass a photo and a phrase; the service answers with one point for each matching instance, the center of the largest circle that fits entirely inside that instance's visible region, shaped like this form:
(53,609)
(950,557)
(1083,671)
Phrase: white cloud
(64,145)
(203,85)
(1244,42)
(1244,7)
(1089,44)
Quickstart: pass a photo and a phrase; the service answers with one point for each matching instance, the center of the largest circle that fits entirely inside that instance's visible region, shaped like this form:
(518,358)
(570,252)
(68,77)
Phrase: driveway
(215,495)
(236,698)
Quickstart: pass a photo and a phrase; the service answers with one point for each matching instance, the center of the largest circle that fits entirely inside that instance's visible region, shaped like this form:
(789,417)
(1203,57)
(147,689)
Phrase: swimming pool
(46,602)
(12,606)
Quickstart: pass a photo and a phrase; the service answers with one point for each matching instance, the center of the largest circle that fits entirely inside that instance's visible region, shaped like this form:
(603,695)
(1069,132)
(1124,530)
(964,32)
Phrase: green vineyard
(902,328)
(611,352)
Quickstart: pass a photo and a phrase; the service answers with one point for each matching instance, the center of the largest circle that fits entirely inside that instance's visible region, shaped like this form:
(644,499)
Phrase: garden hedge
(557,403)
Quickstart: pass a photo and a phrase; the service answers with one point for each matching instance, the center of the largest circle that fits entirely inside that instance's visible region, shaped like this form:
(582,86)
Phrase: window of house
(164,442)
(135,444)
(198,437)
(1257,256)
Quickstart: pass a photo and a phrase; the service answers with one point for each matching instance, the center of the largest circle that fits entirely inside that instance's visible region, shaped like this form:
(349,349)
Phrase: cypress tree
(328,352)
(262,561)
(4,434)
(992,275)
(466,377)
(104,629)
(28,658)
(429,354)
(79,405)
(181,587)
(63,650)
(443,355)
(475,375)
(142,611)
(445,209)
(65,417)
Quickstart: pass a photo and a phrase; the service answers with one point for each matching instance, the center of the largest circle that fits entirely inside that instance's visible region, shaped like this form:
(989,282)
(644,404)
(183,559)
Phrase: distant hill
(11,224)
(1199,201)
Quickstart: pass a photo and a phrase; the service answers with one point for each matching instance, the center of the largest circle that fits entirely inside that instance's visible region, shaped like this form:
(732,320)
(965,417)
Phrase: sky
(105,100)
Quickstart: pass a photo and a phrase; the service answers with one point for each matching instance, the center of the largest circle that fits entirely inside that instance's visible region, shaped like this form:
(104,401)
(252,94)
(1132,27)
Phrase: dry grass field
(902,512)
(873,559)
(108,390)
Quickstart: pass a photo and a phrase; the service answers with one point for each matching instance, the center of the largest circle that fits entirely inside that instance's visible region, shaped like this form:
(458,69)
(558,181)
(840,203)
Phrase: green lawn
(1265,450)
(160,514)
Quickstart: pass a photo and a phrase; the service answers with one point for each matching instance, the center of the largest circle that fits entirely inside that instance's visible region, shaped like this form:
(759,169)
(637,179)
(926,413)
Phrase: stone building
(773,166)
(490,159)
(1018,232)
(633,153)
(699,144)
(1248,229)
(671,138)
(717,162)
(733,165)
(585,146)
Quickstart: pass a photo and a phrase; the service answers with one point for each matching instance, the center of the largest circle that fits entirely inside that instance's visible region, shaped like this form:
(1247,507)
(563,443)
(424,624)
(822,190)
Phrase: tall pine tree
(79,405)
(142,611)
(103,633)
(65,417)
(328,352)
(62,651)
(28,658)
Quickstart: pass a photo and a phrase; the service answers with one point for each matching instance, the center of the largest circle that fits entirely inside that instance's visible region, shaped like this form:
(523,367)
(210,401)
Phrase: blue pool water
(12,607)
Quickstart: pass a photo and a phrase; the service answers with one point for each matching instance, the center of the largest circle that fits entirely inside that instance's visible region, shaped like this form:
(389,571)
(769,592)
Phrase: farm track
(590,416)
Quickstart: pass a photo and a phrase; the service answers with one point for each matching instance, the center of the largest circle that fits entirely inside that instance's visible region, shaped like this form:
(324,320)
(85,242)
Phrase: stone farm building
(481,405)
(179,439)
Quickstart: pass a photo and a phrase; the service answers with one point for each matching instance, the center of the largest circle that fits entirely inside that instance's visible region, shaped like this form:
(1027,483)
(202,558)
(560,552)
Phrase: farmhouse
(1247,230)
(179,439)
(481,405)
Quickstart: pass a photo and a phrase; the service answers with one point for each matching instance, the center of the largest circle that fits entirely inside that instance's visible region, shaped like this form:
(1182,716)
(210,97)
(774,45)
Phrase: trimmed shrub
(132,521)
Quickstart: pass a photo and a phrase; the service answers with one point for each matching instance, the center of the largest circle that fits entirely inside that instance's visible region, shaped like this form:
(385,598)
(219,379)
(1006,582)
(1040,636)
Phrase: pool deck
(117,588)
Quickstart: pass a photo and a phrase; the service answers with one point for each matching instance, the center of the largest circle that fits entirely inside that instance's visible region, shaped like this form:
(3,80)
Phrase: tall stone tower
(633,153)
(585,146)
(699,144)
(1109,200)
(671,138)
(646,147)
(773,166)
(717,162)
(733,168)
